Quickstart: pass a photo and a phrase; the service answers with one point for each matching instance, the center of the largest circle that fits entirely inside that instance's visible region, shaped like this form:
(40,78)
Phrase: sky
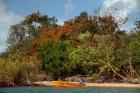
(13,11)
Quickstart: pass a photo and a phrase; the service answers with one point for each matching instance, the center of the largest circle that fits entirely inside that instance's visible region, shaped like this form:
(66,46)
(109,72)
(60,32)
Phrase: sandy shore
(116,85)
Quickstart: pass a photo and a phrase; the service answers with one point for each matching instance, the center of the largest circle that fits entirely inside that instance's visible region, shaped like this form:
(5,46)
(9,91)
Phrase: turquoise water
(66,90)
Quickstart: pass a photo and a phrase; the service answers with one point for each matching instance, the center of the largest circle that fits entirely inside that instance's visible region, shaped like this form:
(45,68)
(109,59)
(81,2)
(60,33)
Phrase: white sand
(116,85)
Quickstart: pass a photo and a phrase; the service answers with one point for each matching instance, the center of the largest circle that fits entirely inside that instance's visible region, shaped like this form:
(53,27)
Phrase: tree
(54,56)
(22,34)
(134,47)
(105,58)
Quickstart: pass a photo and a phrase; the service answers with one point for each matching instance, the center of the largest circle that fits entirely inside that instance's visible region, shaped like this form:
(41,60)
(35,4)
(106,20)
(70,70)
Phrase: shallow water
(66,90)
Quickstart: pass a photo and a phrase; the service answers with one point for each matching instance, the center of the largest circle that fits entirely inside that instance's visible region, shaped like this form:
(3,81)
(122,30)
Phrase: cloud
(125,7)
(120,10)
(61,21)
(69,7)
(7,18)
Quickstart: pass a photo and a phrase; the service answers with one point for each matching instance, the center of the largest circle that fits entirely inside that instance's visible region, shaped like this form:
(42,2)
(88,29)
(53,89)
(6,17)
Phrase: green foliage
(55,58)
(84,37)
(81,59)
(134,47)
(7,69)
(95,76)
(85,45)
(22,34)
(18,72)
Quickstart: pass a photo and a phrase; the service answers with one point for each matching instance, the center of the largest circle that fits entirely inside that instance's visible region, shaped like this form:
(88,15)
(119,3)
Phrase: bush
(95,76)
(17,72)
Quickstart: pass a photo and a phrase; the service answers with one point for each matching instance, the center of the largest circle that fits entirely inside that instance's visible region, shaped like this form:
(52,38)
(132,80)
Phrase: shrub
(17,72)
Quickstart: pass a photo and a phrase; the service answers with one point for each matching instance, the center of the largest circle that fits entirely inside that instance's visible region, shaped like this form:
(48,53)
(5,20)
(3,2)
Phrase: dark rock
(6,83)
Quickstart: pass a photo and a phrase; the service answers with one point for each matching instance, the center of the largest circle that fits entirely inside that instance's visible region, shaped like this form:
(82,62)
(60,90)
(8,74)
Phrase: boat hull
(67,84)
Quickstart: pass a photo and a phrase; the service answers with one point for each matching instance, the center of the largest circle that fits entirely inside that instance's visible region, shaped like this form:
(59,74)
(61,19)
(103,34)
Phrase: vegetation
(86,45)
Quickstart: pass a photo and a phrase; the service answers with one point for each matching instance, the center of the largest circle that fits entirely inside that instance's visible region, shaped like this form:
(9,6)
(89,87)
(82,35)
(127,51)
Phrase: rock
(28,83)
(135,81)
(77,78)
(6,83)
(132,80)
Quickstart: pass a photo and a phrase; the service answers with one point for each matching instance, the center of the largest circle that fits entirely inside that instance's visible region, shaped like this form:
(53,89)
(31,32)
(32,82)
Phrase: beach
(113,85)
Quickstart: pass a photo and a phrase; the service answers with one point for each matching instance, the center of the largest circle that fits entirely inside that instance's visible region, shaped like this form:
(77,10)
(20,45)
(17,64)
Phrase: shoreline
(105,85)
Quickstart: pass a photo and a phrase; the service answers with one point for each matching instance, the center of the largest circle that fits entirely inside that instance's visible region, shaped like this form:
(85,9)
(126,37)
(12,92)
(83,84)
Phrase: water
(66,90)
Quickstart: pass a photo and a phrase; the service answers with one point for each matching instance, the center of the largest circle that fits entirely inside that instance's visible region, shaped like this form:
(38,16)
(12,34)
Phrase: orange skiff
(66,84)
